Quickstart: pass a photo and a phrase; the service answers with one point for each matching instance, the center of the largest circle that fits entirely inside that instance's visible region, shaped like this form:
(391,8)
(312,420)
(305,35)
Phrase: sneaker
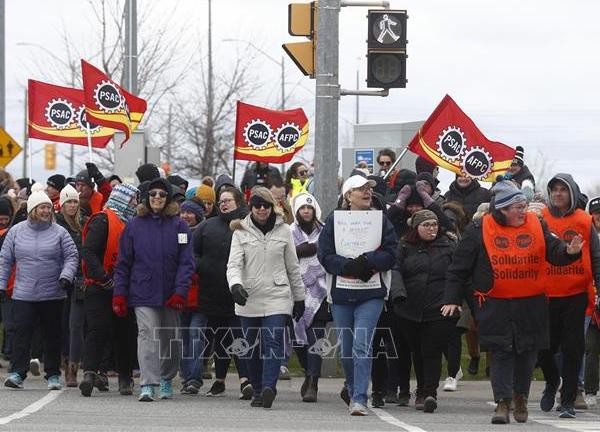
(192,387)
(567,413)
(34,367)
(14,380)
(590,400)
(377,400)
(580,403)
(101,382)
(358,409)
(430,404)
(548,398)
(345,395)
(284,373)
(403,399)
(147,394)
(166,389)
(473,367)
(451,384)
(459,374)
(268,395)
(217,389)
(246,391)
(257,401)
(54,383)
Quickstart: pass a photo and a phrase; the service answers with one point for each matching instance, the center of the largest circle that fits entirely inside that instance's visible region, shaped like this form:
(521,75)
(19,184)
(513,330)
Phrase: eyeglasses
(160,193)
(262,205)
(302,173)
(225,201)
(429,225)
(385,163)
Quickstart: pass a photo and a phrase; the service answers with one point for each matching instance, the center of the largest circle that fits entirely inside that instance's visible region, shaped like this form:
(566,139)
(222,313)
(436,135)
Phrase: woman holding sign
(356,248)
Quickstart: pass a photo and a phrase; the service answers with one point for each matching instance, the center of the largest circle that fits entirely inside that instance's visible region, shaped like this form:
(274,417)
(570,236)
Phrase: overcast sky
(526,71)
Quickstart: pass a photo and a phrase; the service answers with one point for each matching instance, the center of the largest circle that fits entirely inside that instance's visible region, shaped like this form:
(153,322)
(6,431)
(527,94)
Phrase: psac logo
(60,113)
(452,143)
(523,241)
(258,133)
(501,242)
(108,97)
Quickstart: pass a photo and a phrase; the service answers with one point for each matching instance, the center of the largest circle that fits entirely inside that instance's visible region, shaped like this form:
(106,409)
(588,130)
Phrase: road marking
(388,418)
(33,408)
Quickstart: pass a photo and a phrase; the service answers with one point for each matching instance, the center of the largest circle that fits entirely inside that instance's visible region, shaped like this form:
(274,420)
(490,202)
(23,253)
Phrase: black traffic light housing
(386,48)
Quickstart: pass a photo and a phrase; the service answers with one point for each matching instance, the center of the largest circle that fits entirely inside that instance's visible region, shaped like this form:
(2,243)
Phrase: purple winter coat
(155,261)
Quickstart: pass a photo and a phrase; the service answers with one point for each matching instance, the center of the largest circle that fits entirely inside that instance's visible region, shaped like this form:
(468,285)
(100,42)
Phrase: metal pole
(25,136)
(326,106)
(71,160)
(396,162)
(282,84)
(2,67)
(131,60)
(357,97)
(208,161)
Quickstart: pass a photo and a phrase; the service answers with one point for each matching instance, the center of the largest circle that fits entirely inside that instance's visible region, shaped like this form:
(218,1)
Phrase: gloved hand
(108,285)
(306,249)
(298,309)
(94,173)
(367,271)
(176,302)
(119,305)
(421,187)
(239,294)
(403,196)
(65,284)
(358,267)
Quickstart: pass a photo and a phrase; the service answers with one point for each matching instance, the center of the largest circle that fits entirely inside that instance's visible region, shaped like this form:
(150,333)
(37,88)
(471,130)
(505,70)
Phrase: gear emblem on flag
(108,97)
(452,143)
(257,134)
(83,123)
(60,113)
(477,163)
(287,136)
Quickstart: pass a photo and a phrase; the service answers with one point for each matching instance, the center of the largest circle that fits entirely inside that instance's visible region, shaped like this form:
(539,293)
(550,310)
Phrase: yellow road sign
(9,149)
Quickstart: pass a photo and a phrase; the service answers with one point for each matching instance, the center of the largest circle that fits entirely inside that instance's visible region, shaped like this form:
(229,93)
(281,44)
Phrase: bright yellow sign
(9,149)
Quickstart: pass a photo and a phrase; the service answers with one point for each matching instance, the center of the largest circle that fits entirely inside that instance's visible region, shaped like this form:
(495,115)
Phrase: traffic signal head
(302,21)
(386,49)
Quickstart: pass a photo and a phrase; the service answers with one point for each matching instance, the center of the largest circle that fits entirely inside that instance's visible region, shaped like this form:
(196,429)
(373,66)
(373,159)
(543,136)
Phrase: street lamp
(265,54)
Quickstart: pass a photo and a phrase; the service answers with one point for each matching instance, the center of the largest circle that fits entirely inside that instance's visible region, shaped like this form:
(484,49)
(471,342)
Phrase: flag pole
(89,141)
(30,162)
(396,162)
(234,164)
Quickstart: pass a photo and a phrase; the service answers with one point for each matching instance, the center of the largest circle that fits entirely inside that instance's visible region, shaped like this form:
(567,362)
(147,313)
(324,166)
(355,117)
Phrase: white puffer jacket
(267,267)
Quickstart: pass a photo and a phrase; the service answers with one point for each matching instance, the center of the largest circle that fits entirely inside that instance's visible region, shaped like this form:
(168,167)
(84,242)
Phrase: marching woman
(153,275)
(356,306)
(264,277)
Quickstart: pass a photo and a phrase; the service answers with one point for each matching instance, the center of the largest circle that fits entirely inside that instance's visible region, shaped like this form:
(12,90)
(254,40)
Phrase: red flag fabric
(451,140)
(266,135)
(107,104)
(58,114)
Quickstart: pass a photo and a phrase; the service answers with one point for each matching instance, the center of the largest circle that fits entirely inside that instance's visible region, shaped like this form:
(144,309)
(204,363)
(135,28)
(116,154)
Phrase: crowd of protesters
(97,275)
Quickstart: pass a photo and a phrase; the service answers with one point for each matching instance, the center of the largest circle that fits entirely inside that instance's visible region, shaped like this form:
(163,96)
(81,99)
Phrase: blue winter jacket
(155,260)
(43,253)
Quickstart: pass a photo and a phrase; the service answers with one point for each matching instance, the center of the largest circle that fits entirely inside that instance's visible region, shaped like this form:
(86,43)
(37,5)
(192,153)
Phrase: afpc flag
(107,104)
(451,140)
(266,135)
(58,114)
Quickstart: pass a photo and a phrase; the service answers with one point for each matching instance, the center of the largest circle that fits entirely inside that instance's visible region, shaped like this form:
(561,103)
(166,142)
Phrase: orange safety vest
(115,229)
(96,201)
(517,256)
(576,277)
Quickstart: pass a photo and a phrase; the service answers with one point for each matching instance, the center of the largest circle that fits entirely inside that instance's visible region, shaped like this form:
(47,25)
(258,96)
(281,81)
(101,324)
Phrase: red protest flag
(108,104)
(450,139)
(58,114)
(266,135)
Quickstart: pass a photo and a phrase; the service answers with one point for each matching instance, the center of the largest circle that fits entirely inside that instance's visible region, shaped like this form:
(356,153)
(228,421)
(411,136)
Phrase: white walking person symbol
(385,25)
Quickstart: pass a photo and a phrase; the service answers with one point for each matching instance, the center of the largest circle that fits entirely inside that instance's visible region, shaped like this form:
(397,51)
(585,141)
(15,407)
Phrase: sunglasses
(160,193)
(262,205)
(385,163)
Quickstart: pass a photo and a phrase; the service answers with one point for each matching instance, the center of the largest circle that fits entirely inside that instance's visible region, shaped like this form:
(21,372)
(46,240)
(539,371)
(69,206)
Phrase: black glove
(3,296)
(298,309)
(94,172)
(65,284)
(306,249)
(366,271)
(239,294)
(357,267)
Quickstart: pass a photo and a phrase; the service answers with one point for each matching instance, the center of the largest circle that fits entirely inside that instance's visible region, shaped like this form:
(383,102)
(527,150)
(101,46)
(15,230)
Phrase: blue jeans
(356,328)
(193,345)
(266,349)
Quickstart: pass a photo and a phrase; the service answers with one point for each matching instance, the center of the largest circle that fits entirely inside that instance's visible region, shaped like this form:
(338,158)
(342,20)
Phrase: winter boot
(101,382)
(125,385)
(71,375)
(520,412)
(304,386)
(501,414)
(87,385)
(310,395)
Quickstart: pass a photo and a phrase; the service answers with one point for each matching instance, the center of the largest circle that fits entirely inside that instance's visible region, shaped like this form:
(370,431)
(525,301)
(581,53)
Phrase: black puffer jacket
(469,197)
(75,235)
(212,241)
(420,271)
(501,322)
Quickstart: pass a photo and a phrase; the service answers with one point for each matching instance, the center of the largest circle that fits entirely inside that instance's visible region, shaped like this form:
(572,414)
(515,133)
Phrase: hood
(303,199)
(574,192)
(246,224)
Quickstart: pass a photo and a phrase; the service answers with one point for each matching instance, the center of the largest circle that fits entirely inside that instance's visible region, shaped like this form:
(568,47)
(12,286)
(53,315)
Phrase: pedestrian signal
(386,49)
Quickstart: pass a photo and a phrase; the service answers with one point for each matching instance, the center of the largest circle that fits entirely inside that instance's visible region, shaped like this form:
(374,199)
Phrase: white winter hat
(68,193)
(306,199)
(37,197)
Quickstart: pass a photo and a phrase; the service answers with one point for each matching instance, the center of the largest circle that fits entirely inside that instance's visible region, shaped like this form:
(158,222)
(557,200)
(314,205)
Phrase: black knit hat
(180,182)
(6,208)
(84,177)
(518,159)
(147,172)
(423,165)
(57,181)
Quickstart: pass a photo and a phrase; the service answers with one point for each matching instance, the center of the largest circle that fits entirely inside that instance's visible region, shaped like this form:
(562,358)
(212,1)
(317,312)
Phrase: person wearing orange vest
(92,201)
(504,257)
(100,250)
(567,289)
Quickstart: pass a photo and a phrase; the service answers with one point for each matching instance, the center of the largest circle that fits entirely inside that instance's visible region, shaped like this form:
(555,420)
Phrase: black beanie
(147,172)
(57,181)
(423,165)
(84,177)
(6,208)
(518,159)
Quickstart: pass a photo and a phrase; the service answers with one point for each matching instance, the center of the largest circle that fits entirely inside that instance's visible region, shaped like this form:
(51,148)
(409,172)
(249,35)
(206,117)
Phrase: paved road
(36,409)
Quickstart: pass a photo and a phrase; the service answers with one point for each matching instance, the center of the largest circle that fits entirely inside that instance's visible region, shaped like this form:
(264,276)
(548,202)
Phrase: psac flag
(107,104)
(266,135)
(451,140)
(58,114)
